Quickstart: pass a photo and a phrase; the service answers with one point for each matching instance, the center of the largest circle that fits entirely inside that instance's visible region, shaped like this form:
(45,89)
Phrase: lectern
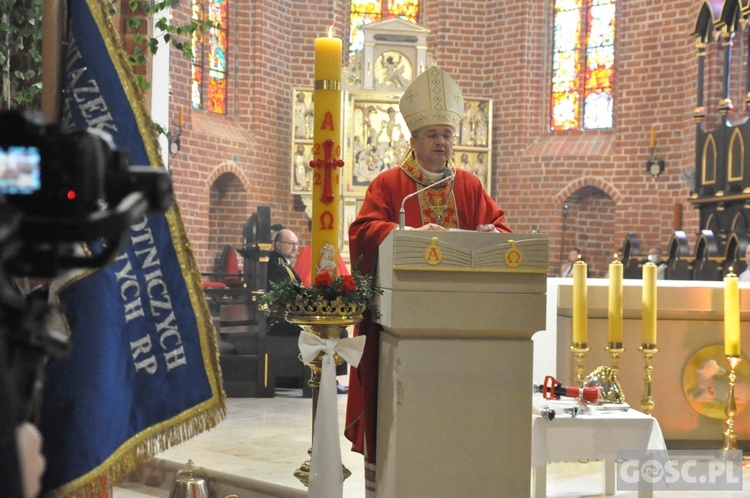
(455,380)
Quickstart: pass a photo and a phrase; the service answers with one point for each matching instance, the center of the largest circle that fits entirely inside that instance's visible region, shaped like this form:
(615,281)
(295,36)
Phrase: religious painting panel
(393,71)
(377,138)
(302,141)
(301,170)
(474,162)
(471,150)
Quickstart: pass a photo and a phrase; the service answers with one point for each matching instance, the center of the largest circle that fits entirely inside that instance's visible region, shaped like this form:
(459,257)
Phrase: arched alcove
(589,222)
(227,213)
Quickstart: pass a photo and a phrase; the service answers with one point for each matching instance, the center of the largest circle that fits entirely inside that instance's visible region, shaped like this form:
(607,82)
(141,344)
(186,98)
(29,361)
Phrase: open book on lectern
(465,250)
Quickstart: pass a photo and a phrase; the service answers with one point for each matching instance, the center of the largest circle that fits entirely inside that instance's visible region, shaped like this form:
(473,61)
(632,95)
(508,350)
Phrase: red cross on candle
(327,163)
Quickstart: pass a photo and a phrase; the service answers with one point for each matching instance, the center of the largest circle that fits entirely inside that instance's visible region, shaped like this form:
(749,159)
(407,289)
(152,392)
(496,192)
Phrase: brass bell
(188,485)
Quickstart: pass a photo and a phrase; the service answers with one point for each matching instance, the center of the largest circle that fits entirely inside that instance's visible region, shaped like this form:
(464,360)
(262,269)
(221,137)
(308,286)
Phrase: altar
(596,436)
(689,322)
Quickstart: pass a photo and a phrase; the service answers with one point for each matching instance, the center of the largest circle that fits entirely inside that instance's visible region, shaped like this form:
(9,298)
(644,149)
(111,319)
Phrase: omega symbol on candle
(326,220)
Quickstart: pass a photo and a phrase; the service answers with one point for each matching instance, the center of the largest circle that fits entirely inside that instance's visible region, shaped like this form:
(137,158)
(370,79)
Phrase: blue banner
(143,373)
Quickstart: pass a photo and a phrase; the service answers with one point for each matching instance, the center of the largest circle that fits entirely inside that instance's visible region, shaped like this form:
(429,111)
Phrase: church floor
(256,449)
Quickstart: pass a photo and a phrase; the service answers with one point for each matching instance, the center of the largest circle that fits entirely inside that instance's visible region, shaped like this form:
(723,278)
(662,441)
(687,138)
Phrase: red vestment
(468,206)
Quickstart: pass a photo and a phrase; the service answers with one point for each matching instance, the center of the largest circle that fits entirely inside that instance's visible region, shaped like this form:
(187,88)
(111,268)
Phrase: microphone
(449,173)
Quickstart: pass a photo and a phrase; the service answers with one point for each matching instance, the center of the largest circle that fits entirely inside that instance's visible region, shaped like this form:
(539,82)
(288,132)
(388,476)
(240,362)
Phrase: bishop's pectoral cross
(436,208)
(327,163)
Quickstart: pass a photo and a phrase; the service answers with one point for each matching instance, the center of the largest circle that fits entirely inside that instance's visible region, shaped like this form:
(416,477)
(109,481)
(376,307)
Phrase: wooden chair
(708,261)
(679,264)
(632,258)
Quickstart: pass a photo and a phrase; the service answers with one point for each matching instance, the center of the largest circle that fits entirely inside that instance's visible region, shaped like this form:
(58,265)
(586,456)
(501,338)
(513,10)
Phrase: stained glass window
(583,65)
(209,78)
(368,11)
(196,91)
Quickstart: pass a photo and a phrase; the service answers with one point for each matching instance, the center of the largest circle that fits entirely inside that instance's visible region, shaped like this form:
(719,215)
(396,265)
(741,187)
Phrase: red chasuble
(461,203)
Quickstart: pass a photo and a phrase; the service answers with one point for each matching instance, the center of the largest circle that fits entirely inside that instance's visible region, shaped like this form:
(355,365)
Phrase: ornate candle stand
(326,322)
(579,350)
(730,408)
(647,401)
(615,349)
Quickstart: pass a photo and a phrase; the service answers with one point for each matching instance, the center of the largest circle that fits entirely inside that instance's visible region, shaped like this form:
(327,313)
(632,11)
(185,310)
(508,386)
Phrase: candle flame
(330,30)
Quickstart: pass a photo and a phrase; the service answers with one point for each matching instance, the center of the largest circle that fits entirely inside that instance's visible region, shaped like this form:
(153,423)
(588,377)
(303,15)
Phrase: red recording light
(71,195)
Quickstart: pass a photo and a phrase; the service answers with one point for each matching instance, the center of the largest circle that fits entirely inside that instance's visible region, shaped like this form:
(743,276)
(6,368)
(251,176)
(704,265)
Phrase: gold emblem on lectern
(513,256)
(433,255)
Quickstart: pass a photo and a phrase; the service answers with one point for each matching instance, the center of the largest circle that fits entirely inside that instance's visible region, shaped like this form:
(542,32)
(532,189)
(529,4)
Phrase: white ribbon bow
(326,472)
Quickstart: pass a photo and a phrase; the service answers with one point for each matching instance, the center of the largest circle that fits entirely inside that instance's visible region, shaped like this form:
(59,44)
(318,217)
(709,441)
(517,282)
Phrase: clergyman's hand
(487,228)
(432,226)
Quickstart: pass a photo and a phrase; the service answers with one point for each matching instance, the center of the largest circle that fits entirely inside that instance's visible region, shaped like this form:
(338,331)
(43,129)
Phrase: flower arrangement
(343,295)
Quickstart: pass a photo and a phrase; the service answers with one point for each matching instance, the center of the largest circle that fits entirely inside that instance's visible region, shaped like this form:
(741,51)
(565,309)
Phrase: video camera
(59,191)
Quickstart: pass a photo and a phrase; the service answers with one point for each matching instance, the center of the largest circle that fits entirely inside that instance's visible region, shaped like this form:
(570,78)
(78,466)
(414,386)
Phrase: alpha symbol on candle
(327,122)
(327,163)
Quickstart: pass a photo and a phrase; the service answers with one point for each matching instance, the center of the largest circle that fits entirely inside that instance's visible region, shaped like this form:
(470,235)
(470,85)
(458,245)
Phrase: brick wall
(495,49)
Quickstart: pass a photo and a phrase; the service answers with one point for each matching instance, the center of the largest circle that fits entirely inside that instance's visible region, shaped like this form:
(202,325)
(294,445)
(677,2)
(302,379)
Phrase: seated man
(285,246)
(654,255)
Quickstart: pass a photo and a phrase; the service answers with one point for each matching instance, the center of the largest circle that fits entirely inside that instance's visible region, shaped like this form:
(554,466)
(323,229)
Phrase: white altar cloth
(589,436)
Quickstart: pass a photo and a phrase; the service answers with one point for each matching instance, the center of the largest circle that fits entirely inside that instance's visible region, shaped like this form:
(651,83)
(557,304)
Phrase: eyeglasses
(295,244)
(432,136)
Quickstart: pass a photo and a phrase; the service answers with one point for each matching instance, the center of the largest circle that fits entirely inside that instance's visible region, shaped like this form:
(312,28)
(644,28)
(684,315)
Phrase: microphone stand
(402,213)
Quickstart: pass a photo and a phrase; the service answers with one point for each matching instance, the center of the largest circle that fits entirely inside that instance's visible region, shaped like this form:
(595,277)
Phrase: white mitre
(433,98)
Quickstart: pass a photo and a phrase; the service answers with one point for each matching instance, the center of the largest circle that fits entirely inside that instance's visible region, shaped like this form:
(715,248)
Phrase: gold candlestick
(579,350)
(730,438)
(647,401)
(615,349)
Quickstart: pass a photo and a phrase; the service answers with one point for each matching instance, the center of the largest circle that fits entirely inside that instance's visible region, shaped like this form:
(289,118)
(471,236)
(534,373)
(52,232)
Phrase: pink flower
(348,284)
(323,280)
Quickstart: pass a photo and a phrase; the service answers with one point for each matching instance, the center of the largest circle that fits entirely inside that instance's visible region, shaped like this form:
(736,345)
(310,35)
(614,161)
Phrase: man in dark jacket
(285,247)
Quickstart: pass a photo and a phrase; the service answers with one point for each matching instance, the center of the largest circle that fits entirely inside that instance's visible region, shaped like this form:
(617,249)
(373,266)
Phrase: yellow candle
(731,315)
(648,320)
(615,302)
(327,163)
(580,308)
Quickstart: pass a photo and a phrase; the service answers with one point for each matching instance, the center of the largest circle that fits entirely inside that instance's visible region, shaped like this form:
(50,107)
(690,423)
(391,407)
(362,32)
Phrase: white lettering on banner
(143,347)
(86,93)
(130,292)
(159,303)
(157,292)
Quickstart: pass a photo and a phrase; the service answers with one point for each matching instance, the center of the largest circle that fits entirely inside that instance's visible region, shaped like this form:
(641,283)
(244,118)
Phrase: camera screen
(19,170)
